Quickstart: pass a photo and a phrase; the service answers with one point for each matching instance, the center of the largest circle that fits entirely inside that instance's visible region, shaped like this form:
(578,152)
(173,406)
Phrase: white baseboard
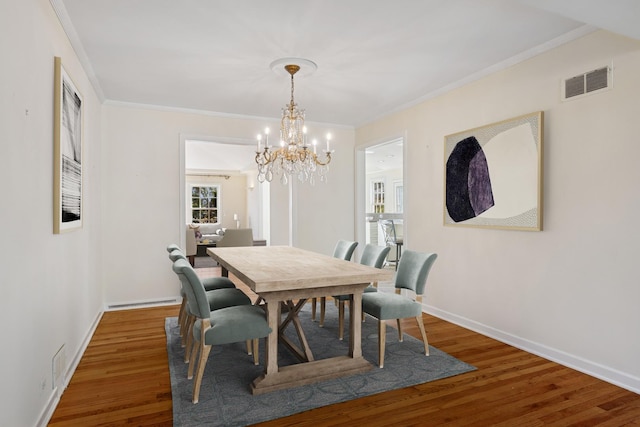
(593,369)
(56,393)
(54,398)
(128,305)
(50,407)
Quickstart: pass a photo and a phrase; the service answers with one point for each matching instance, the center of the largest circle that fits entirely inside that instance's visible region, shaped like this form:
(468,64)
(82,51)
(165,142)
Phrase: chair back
(196,296)
(344,249)
(176,255)
(172,247)
(388,231)
(374,255)
(236,237)
(413,270)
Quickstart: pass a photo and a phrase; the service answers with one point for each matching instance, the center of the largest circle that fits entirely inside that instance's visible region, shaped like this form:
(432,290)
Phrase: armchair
(236,237)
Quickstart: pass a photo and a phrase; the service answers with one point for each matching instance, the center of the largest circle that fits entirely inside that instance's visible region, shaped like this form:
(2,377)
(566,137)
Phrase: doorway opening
(380,190)
(229,168)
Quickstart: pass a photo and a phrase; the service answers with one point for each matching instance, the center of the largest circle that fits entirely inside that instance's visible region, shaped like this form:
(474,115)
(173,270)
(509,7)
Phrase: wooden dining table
(284,276)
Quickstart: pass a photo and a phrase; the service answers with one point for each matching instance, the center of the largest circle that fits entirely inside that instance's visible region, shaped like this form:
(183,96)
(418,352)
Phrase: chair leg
(424,335)
(182,323)
(184,326)
(341,320)
(192,360)
(181,314)
(204,355)
(193,351)
(189,342)
(249,348)
(313,309)
(399,330)
(256,358)
(323,302)
(382,336)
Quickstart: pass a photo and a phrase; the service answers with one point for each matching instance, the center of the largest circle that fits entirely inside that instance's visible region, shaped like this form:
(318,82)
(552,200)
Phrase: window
(377,196)
(204,203)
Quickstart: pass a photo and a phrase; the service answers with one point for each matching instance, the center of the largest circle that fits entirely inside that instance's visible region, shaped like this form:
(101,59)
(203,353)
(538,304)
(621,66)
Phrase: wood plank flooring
(123,379)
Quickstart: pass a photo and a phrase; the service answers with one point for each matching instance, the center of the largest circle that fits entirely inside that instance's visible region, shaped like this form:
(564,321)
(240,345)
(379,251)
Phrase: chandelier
(294,156)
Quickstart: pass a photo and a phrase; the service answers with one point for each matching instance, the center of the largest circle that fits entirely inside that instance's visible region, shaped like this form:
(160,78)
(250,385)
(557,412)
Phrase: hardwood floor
(123,378)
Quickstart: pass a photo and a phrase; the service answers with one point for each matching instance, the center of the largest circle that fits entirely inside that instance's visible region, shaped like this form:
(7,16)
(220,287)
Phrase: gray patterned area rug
(226,399)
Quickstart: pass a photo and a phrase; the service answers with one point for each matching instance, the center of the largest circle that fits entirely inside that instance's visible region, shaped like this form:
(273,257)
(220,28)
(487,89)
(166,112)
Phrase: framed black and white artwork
(67,187)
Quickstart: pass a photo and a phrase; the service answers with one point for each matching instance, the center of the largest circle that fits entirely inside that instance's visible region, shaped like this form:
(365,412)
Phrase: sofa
(207,233)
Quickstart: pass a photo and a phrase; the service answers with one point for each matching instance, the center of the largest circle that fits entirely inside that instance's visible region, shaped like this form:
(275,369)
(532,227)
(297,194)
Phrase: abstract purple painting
(493,175)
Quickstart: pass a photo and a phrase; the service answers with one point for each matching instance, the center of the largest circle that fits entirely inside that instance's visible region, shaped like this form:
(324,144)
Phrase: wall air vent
(589,82)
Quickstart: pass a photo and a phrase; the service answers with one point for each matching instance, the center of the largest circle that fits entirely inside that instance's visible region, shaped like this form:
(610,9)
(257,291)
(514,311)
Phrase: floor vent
(586,83)
(142,304)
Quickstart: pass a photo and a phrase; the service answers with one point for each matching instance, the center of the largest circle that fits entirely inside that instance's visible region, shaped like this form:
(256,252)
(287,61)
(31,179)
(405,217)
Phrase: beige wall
(569,292)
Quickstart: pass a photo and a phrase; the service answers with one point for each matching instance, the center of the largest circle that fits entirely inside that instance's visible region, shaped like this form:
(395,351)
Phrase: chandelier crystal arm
(326,162)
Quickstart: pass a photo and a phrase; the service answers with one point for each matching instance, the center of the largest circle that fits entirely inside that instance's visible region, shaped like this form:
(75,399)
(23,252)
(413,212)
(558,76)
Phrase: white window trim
(399,208)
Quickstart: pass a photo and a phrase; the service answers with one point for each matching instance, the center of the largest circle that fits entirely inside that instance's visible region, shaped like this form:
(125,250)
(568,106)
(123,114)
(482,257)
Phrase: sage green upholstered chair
(209,283)
(373,256)
(218,299)
(223,326)
(412,273)
(344,250)
(172,247)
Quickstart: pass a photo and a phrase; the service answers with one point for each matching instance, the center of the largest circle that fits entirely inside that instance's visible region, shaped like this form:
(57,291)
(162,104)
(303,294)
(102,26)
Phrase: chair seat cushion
(234,324)
(226,297)
(385,306)
(211,283)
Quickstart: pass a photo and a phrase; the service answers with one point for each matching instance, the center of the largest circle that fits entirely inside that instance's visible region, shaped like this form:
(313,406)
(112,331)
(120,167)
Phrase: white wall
(571,291)
(141,196)
(324,211)
(52,293)
(257,204)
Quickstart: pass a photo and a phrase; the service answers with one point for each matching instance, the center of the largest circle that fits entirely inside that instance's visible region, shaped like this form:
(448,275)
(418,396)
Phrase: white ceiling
(373,56)
(384,157)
